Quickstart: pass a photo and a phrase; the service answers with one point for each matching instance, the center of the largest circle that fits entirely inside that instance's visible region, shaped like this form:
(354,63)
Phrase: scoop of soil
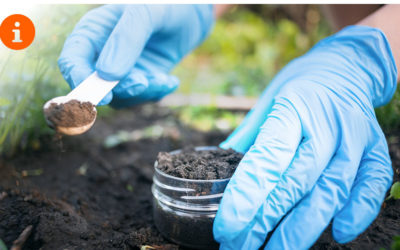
(200,165)
(70,114)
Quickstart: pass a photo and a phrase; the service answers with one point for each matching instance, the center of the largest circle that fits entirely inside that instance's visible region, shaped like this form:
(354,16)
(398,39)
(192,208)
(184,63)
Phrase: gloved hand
(137,44)
(315,151)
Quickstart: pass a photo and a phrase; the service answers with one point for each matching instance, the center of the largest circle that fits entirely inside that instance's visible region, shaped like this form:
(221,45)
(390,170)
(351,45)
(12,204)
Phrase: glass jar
(184,209)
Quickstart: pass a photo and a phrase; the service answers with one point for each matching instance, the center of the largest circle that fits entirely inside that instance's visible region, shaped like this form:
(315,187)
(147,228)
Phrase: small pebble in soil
(70,114)
(200,165)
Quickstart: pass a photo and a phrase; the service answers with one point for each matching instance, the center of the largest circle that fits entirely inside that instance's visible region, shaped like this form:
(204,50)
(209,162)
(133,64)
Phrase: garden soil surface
(200,165)
(78,194)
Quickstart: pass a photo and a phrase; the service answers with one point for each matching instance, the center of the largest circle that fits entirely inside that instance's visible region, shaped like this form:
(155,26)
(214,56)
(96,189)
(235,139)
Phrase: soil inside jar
(193,228)
(194,231)
(70,114)
(200,165)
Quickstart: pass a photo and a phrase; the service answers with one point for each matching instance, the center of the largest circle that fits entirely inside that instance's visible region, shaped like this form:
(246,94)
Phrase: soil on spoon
(70,114)
(200,165)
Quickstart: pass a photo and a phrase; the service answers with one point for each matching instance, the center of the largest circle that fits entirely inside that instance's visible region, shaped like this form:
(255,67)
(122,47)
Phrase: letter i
(17,35)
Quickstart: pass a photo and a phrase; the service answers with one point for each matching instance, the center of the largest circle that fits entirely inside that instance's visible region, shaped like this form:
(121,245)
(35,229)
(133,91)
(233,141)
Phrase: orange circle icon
(17,32)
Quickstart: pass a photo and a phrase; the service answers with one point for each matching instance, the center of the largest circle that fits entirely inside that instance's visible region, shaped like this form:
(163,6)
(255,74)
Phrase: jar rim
(199,148)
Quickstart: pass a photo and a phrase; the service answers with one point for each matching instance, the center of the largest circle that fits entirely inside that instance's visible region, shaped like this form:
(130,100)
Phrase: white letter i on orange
(17,35)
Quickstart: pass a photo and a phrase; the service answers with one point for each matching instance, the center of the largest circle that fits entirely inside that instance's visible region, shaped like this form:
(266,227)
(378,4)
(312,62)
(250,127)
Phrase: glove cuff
(206,16)
(366,59)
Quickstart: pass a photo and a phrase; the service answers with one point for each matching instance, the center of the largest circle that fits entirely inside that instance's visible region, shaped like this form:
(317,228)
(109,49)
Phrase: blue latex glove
(315,151)
(137,44)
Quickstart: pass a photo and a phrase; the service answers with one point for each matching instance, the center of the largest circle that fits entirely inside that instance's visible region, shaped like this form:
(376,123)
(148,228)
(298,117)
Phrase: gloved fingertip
(224,145)
(217,232)
(165,84)
(173,81)
(241,139)
(109,74)
(75,73)
(341,237)
(227,226)
(138,76)
(163,79)
(133,85)
(139,83)
(106,100)
(343,226)
(227,144)
(224,246)
(138,89)
(173,85)
(367,195)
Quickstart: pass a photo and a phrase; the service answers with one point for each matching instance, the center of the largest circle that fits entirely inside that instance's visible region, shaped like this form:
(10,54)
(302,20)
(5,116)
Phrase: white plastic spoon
(93,90)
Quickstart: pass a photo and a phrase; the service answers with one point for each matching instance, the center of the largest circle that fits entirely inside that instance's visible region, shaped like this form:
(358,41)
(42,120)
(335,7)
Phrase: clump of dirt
(200,165)
(70,114)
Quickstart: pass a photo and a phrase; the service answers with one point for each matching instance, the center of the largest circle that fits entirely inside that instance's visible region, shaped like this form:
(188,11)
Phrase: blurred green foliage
(389,115)
(245,51)
(247,47)
(210,118)
(396,243)
(241,56)
(30,77)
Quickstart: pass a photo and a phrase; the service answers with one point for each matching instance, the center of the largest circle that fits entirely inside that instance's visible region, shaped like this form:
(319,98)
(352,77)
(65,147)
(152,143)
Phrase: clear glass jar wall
(184,209)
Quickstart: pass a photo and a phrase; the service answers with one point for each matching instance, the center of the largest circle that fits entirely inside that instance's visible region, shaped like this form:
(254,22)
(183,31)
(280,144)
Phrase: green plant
(396,243)
(18,114)
(394,191)
(2,245)
(30,77)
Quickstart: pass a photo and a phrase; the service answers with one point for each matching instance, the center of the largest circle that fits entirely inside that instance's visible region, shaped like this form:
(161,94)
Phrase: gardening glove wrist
(135,44)
(313,148)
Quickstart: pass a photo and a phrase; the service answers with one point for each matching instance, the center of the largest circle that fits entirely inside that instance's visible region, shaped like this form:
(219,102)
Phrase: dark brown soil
(86,196)
(71,114)
(200,165)
(185,228)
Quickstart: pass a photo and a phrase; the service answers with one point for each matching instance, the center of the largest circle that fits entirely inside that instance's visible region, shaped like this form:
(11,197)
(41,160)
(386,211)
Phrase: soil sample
(201,164)
(185,208)
(188,229)
(70,114)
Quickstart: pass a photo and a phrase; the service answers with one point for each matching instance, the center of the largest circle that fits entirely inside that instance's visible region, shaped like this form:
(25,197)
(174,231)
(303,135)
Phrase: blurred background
(247,47)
